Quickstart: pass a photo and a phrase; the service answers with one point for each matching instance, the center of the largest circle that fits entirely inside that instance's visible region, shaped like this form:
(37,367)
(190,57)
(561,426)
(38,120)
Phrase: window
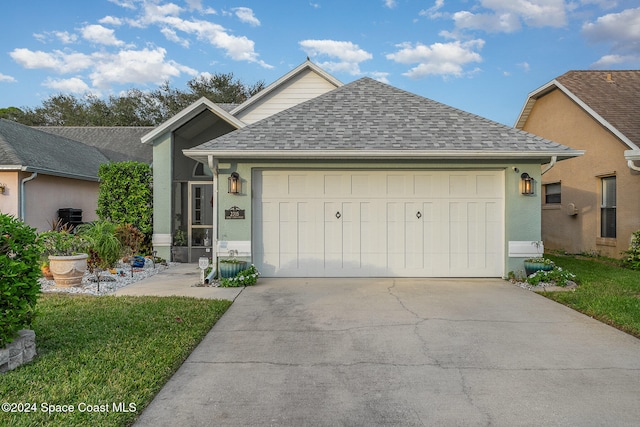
(552,193)
(608,207)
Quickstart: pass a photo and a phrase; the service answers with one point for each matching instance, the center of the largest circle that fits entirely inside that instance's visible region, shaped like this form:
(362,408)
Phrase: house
(41,173)
(590,204)
(356,180)
(44,169)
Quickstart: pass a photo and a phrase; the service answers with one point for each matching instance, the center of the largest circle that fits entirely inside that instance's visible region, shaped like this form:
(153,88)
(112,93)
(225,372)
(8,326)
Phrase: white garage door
(378,223)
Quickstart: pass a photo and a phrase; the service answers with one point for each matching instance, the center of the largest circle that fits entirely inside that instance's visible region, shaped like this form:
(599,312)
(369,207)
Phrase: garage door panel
(379,223)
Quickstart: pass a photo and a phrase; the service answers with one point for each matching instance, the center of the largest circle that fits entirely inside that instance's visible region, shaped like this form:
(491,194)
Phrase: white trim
(161,239)
(202,155)
(187,114)
(543,90)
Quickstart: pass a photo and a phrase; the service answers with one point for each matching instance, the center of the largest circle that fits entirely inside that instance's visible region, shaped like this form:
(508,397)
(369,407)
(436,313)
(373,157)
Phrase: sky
(481,56)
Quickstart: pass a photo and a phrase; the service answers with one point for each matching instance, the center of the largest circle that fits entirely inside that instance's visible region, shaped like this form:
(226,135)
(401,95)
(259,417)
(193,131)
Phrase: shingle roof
(38,151)
(614,95)
(118,143)
(367,115)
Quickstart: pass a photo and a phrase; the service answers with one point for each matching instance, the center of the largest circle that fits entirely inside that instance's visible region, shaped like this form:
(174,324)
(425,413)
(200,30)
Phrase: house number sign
(234,213)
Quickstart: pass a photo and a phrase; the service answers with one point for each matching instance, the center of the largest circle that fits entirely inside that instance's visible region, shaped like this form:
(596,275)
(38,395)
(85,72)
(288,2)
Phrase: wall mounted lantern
(527,184)
(2,188)
(235,185)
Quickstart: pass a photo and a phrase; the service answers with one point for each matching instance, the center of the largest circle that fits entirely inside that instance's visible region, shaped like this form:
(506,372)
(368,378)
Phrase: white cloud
(524,66)
(620,30)
(58,61)
(111,20)
(390,3)
(6,79)
(73,85)
(508,15)
(134,66)
(380,76)
(171,35)
(100,35)
(349,55)
(438,59)
(246,15)
(315,5)
(65,37)
(433,11)
(238,48)
(127,4)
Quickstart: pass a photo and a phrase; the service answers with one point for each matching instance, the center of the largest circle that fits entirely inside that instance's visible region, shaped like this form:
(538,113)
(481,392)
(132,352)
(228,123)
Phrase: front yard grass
(607,292)
(103,353)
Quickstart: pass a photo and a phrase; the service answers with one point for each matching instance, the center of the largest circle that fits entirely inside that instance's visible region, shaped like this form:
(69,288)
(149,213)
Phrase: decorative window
(608,207)
(552,193)
(198,170)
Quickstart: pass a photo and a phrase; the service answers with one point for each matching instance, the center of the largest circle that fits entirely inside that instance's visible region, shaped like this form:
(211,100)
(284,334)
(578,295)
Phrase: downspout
(551,164)
(213,165)
(23,202)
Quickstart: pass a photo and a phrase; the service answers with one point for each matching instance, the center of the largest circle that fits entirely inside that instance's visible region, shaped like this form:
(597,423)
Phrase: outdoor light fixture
(235,185)
(527,184)
(2,188)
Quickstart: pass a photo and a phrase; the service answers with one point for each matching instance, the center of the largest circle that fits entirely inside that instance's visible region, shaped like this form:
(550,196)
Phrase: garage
(378,223)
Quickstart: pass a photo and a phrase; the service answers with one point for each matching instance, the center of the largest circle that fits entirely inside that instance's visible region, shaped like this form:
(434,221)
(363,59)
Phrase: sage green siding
(162,190)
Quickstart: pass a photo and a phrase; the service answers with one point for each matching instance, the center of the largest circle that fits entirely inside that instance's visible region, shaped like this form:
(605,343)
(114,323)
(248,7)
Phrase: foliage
(125,195)
(539,260)
(247,277)
(130,237)
(632,256)
(135,107)
(19,273)
(104,350)
(557,276)
(607,292)
(62,243)
(105,247)
(180,238)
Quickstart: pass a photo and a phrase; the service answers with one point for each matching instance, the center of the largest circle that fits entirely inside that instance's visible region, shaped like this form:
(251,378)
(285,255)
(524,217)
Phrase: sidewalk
(178,280)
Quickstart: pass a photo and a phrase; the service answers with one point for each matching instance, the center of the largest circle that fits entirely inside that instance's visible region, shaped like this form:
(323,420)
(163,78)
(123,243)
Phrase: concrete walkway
(178,280)
(374,352)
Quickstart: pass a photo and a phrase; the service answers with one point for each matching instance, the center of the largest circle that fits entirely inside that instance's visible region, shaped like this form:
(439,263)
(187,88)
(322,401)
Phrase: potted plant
(230,267)
(67,254)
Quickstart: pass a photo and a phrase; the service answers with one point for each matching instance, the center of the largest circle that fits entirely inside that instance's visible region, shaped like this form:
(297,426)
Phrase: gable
(300,88)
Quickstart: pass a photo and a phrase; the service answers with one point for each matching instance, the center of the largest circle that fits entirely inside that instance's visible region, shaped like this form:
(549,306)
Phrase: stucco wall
(46,194)
(558,118)
(9,201)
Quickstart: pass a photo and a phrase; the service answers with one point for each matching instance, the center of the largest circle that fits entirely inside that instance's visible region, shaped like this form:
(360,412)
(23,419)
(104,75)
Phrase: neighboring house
(590,204)
(117,143)
(359,180)
(41,173)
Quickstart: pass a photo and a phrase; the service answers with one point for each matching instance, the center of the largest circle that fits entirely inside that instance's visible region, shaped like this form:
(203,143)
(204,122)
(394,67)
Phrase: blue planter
(532,267)
(231,269)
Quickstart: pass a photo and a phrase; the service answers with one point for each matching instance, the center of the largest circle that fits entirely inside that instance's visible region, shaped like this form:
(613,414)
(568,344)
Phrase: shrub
(105,247)
(557,277)
(247,277)
(62,243)
(19,273)
(632,256)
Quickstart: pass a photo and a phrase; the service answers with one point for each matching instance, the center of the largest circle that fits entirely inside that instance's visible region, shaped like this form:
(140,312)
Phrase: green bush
(632,256)
(557,277)
(247,277)
(19,273)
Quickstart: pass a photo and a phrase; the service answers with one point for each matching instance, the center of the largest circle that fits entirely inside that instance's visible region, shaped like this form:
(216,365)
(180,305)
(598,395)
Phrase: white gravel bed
(109,283)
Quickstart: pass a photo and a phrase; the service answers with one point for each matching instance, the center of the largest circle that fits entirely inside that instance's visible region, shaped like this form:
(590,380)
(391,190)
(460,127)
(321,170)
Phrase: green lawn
(104,353)
(608,293)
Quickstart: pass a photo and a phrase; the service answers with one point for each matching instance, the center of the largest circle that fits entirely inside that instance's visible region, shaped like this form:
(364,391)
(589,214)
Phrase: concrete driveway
(407,352)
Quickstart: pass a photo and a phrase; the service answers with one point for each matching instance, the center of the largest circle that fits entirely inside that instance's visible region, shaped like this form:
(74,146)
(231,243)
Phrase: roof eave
(187,114)
(543,157)
(44,171)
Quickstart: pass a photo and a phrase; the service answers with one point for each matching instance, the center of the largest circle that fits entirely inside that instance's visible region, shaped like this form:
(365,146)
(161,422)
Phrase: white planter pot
(68,270)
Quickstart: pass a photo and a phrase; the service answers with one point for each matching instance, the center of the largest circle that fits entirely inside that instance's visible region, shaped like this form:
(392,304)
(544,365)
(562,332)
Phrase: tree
(135,107)
(125,195)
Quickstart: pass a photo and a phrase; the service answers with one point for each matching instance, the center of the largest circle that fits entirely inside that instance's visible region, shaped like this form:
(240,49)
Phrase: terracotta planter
(68,270)
(46,272)
(231,269)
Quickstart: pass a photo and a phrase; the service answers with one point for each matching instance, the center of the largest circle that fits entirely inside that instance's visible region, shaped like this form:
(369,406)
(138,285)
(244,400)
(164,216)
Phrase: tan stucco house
(313,178)
(590,204)
(42,171)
